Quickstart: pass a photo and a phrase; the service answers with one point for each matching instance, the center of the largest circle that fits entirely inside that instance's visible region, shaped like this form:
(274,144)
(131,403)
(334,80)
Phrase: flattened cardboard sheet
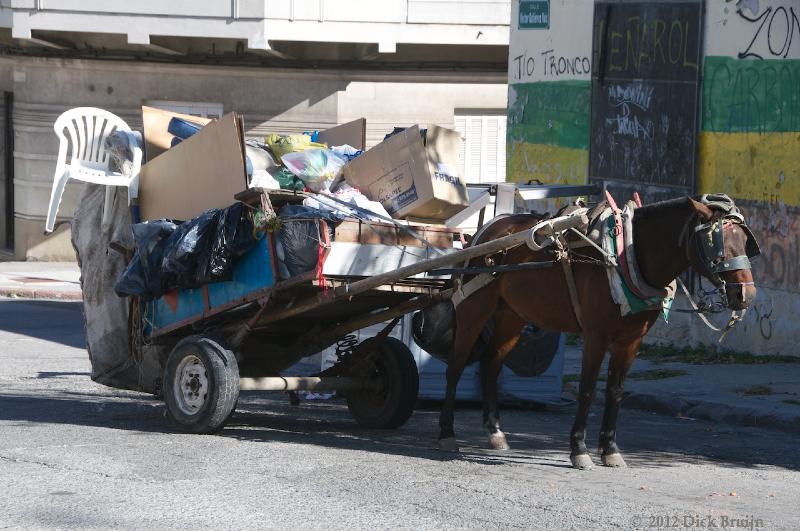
(204,171)
(353,133)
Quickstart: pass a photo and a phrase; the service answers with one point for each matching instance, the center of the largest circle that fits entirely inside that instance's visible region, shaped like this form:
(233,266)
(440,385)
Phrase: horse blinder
(710,245)
(751,248)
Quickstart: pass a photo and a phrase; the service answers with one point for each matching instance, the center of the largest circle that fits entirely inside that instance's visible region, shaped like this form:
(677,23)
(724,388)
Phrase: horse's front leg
(508,327)
(471,316)
(623,352)
(594,349)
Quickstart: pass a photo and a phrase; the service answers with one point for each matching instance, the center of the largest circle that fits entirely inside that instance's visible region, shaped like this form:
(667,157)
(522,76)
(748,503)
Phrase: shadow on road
(64,320)
(84,409)
(538,438)
(51,374)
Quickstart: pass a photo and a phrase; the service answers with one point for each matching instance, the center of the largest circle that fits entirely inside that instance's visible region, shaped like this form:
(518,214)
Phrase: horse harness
(544,236)
(707,240)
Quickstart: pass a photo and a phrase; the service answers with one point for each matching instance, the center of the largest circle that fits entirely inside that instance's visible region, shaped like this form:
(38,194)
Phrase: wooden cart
(241,334)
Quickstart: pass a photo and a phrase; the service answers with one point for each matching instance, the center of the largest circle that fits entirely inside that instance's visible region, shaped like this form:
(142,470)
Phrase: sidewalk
(764,395)
(40,280)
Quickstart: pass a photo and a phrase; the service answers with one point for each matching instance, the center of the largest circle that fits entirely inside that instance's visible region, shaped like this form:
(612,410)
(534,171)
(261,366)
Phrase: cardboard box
(204,171)
(412,178)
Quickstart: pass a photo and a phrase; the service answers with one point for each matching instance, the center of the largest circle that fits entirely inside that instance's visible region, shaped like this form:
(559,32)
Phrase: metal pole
(9,169)
(309,383)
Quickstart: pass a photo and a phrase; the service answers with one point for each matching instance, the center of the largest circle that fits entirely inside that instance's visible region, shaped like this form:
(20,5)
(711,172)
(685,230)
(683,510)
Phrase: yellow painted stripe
(549,164)
(759,167)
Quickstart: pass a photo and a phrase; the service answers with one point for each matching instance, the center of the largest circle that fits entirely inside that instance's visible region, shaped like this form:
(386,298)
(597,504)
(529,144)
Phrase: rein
(734,319)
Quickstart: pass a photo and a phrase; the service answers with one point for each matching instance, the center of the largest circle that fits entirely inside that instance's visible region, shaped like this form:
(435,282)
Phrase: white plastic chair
(87,129)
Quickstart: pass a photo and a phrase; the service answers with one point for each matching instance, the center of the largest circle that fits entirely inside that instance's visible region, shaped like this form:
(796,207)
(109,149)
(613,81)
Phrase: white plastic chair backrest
(86,130)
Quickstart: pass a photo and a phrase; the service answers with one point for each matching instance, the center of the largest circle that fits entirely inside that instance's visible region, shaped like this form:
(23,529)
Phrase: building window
(203,110)
(483,151)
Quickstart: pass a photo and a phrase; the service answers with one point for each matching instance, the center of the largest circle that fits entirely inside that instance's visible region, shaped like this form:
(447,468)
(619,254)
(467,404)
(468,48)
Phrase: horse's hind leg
(623,352)
(594,349)
(508,327)
(471,316)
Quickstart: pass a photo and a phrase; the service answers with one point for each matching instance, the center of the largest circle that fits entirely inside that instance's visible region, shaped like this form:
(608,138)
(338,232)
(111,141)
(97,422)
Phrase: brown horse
(669,237)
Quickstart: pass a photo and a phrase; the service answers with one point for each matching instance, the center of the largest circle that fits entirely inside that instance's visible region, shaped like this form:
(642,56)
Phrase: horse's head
(719,247)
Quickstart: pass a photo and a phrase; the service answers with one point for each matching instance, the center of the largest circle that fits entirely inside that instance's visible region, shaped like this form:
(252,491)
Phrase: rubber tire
(223,381)
(394,405)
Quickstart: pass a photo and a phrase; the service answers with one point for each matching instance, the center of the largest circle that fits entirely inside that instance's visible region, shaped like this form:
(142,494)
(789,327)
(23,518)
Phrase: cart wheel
(392,406)
(201,384)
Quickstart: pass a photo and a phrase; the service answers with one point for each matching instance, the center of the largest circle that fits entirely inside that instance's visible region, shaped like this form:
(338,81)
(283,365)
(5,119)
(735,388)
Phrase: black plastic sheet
(299,238)
(186,255)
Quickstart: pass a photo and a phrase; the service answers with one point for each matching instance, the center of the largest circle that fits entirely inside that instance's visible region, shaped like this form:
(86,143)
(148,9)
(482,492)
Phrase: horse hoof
(582,462)
(613,460)
(497,441)
(448,445)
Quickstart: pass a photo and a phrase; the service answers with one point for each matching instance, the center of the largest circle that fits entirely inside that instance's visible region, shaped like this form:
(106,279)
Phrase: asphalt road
(74,454)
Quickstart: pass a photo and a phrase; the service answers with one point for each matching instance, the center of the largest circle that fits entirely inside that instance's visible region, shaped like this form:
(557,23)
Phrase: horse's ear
(705,213)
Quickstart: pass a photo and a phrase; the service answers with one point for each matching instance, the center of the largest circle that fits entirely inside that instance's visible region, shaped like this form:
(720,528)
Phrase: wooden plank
(366,260)
(383,233)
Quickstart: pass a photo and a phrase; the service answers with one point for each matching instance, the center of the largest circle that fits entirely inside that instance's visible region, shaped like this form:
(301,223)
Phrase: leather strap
(465,290)
(622,258)
(573,290)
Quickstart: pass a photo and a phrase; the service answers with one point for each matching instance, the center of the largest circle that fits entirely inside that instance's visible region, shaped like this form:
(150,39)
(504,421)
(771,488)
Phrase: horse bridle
(708,242)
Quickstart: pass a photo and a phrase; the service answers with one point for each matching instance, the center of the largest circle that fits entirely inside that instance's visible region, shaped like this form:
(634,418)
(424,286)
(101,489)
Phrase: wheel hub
(191,385)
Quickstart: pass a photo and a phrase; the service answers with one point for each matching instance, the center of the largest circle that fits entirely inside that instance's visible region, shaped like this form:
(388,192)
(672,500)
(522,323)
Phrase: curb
(12,292)
(713,411)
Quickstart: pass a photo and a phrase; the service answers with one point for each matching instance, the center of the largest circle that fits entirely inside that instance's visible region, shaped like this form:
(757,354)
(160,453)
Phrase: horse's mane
(663,207)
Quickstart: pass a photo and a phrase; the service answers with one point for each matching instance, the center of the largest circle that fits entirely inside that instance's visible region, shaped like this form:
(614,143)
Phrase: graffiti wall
(549,72)
(750,149)
(748,142)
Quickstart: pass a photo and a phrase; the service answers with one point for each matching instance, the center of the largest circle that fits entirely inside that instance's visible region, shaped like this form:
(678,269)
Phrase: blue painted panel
(190,303)
(252,272)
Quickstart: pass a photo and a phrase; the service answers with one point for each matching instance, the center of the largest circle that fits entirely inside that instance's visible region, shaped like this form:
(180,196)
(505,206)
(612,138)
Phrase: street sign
(534,14)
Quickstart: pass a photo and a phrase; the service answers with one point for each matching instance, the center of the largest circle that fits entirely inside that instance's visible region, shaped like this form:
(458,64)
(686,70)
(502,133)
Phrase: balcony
(180,27)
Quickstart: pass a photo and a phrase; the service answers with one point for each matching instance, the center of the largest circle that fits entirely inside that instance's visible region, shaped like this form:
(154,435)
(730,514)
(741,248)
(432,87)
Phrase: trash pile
(187,236)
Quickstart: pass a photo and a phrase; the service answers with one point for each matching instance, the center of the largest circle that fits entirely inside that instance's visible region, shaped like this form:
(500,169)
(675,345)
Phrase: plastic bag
(142,276)
(258,157)
(283,144)
(118,145)
(317,168)
(287,180)
(360,207)
(262,179)
(188,255)
(298,240)
(347,152)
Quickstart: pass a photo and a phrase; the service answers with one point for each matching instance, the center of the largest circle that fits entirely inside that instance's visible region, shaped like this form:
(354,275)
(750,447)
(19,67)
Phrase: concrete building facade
(287,65)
